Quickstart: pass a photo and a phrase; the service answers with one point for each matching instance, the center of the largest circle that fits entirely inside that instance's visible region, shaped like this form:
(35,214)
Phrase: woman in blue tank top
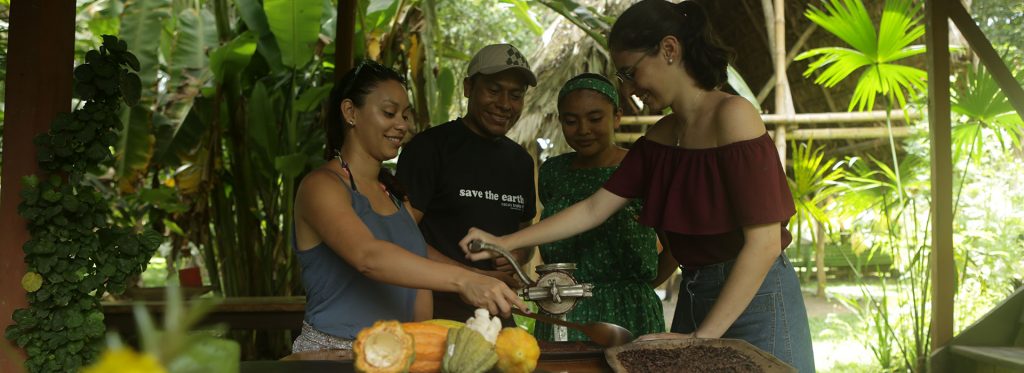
(362,255)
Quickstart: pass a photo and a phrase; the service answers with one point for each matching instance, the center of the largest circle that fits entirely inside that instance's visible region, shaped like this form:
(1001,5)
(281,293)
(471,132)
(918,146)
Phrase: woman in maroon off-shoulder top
(712,184)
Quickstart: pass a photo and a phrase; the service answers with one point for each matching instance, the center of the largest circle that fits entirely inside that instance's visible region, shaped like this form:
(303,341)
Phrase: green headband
(595,84)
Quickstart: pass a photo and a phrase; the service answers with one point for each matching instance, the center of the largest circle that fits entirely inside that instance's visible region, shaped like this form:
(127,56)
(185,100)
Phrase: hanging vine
(75,254)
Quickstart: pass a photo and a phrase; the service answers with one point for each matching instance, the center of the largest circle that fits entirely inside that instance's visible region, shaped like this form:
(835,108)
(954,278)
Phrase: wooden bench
(841,258)
(258,313)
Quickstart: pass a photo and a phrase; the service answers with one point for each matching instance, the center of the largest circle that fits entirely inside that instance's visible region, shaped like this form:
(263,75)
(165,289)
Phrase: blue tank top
(341,301)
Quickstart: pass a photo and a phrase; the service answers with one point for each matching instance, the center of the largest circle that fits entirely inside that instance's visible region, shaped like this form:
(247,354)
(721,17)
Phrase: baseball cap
(496,58)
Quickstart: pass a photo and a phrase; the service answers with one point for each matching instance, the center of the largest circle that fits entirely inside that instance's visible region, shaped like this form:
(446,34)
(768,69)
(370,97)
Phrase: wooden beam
(806,118)
(939,118)
(39,68)
(850,133)
(816,134)
(989,57)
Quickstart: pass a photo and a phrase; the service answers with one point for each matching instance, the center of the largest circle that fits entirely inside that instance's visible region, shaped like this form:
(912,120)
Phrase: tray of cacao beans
(693,355)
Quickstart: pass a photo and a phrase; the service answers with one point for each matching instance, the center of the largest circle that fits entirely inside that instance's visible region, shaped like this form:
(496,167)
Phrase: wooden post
(942,265)
(39,66)
(819,257)
(783,96)
(344,37)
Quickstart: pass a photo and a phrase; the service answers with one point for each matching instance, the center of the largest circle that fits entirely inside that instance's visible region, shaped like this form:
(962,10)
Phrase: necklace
(351,178)
(681,127)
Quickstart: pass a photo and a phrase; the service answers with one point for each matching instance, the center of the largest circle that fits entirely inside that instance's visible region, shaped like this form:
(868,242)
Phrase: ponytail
(645,24)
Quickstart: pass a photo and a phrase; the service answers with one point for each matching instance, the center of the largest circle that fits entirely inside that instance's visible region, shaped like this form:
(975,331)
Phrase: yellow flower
(125,360)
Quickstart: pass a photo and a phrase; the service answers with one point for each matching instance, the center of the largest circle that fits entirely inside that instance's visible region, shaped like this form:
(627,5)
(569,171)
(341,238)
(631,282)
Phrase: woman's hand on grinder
(476,234)
(490,293)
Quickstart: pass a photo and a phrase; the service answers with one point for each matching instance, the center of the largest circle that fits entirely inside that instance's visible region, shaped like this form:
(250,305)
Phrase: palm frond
(838,63)
(848,20)
(868,86)
(909,51)
(874,51)
(980,99)
(900,26)
(813,180)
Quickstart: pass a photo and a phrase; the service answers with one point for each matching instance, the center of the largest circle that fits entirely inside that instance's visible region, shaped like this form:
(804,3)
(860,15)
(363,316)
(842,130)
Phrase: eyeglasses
(626,76)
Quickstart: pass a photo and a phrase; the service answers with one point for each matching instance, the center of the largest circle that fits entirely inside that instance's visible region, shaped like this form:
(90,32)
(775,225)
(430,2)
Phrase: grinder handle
(476,246)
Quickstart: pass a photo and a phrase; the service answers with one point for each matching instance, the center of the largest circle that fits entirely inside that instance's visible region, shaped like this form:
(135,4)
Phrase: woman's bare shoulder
(736,120)
(320,184)
(661,131)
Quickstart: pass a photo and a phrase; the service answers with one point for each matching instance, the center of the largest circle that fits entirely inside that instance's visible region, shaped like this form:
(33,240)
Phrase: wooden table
(261,313)
(555,357)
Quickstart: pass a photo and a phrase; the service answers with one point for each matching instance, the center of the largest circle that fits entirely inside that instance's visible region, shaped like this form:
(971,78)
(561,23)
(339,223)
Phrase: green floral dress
(620,257)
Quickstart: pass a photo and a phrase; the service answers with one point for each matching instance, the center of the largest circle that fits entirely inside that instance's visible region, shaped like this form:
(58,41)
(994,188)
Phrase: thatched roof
(568,51)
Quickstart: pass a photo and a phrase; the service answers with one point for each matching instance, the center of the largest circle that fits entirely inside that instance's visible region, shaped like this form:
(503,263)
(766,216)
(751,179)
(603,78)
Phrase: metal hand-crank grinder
(556,291)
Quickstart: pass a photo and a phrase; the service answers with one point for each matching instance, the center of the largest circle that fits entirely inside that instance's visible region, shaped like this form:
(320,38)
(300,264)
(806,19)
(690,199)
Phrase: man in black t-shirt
(467,173)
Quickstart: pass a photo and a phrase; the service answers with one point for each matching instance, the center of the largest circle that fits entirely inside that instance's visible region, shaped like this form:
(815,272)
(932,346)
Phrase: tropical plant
(984,107)
(813,184)
(874,50)
(897,315)
(986,136)
(877,51)
(176,348)
(76,253)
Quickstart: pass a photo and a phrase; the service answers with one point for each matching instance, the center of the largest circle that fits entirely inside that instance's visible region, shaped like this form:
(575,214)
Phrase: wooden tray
(764,360)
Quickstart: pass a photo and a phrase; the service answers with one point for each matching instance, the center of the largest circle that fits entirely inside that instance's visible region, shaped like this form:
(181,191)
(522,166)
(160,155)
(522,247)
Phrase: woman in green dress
(621,256)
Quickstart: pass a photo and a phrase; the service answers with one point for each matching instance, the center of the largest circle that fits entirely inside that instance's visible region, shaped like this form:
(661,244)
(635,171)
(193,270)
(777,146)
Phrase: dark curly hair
(356,85)
(645,24)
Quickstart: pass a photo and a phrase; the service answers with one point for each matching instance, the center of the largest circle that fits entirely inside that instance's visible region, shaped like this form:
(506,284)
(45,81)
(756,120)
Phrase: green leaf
(74,319)
(329,22)
(195,35)
(263,129)
(445,89)
(51,195)
(587,18)
(296,27)
(290,165)
(207,354)
(737,82)
(140,29)
(134,147)
(233,57)
(131,88)
(311,98)
(522,11)
(188,135)
(164,198)
(874,50)
(252,14)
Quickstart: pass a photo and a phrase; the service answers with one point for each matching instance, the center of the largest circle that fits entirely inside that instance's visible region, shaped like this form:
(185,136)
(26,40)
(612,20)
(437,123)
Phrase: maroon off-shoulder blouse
(702,198)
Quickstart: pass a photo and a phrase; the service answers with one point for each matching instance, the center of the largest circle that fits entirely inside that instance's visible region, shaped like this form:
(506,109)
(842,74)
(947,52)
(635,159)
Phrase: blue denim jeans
(775,321)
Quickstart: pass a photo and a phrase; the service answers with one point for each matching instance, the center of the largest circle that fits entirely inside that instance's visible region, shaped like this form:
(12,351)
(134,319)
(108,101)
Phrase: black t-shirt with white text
(459,180)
